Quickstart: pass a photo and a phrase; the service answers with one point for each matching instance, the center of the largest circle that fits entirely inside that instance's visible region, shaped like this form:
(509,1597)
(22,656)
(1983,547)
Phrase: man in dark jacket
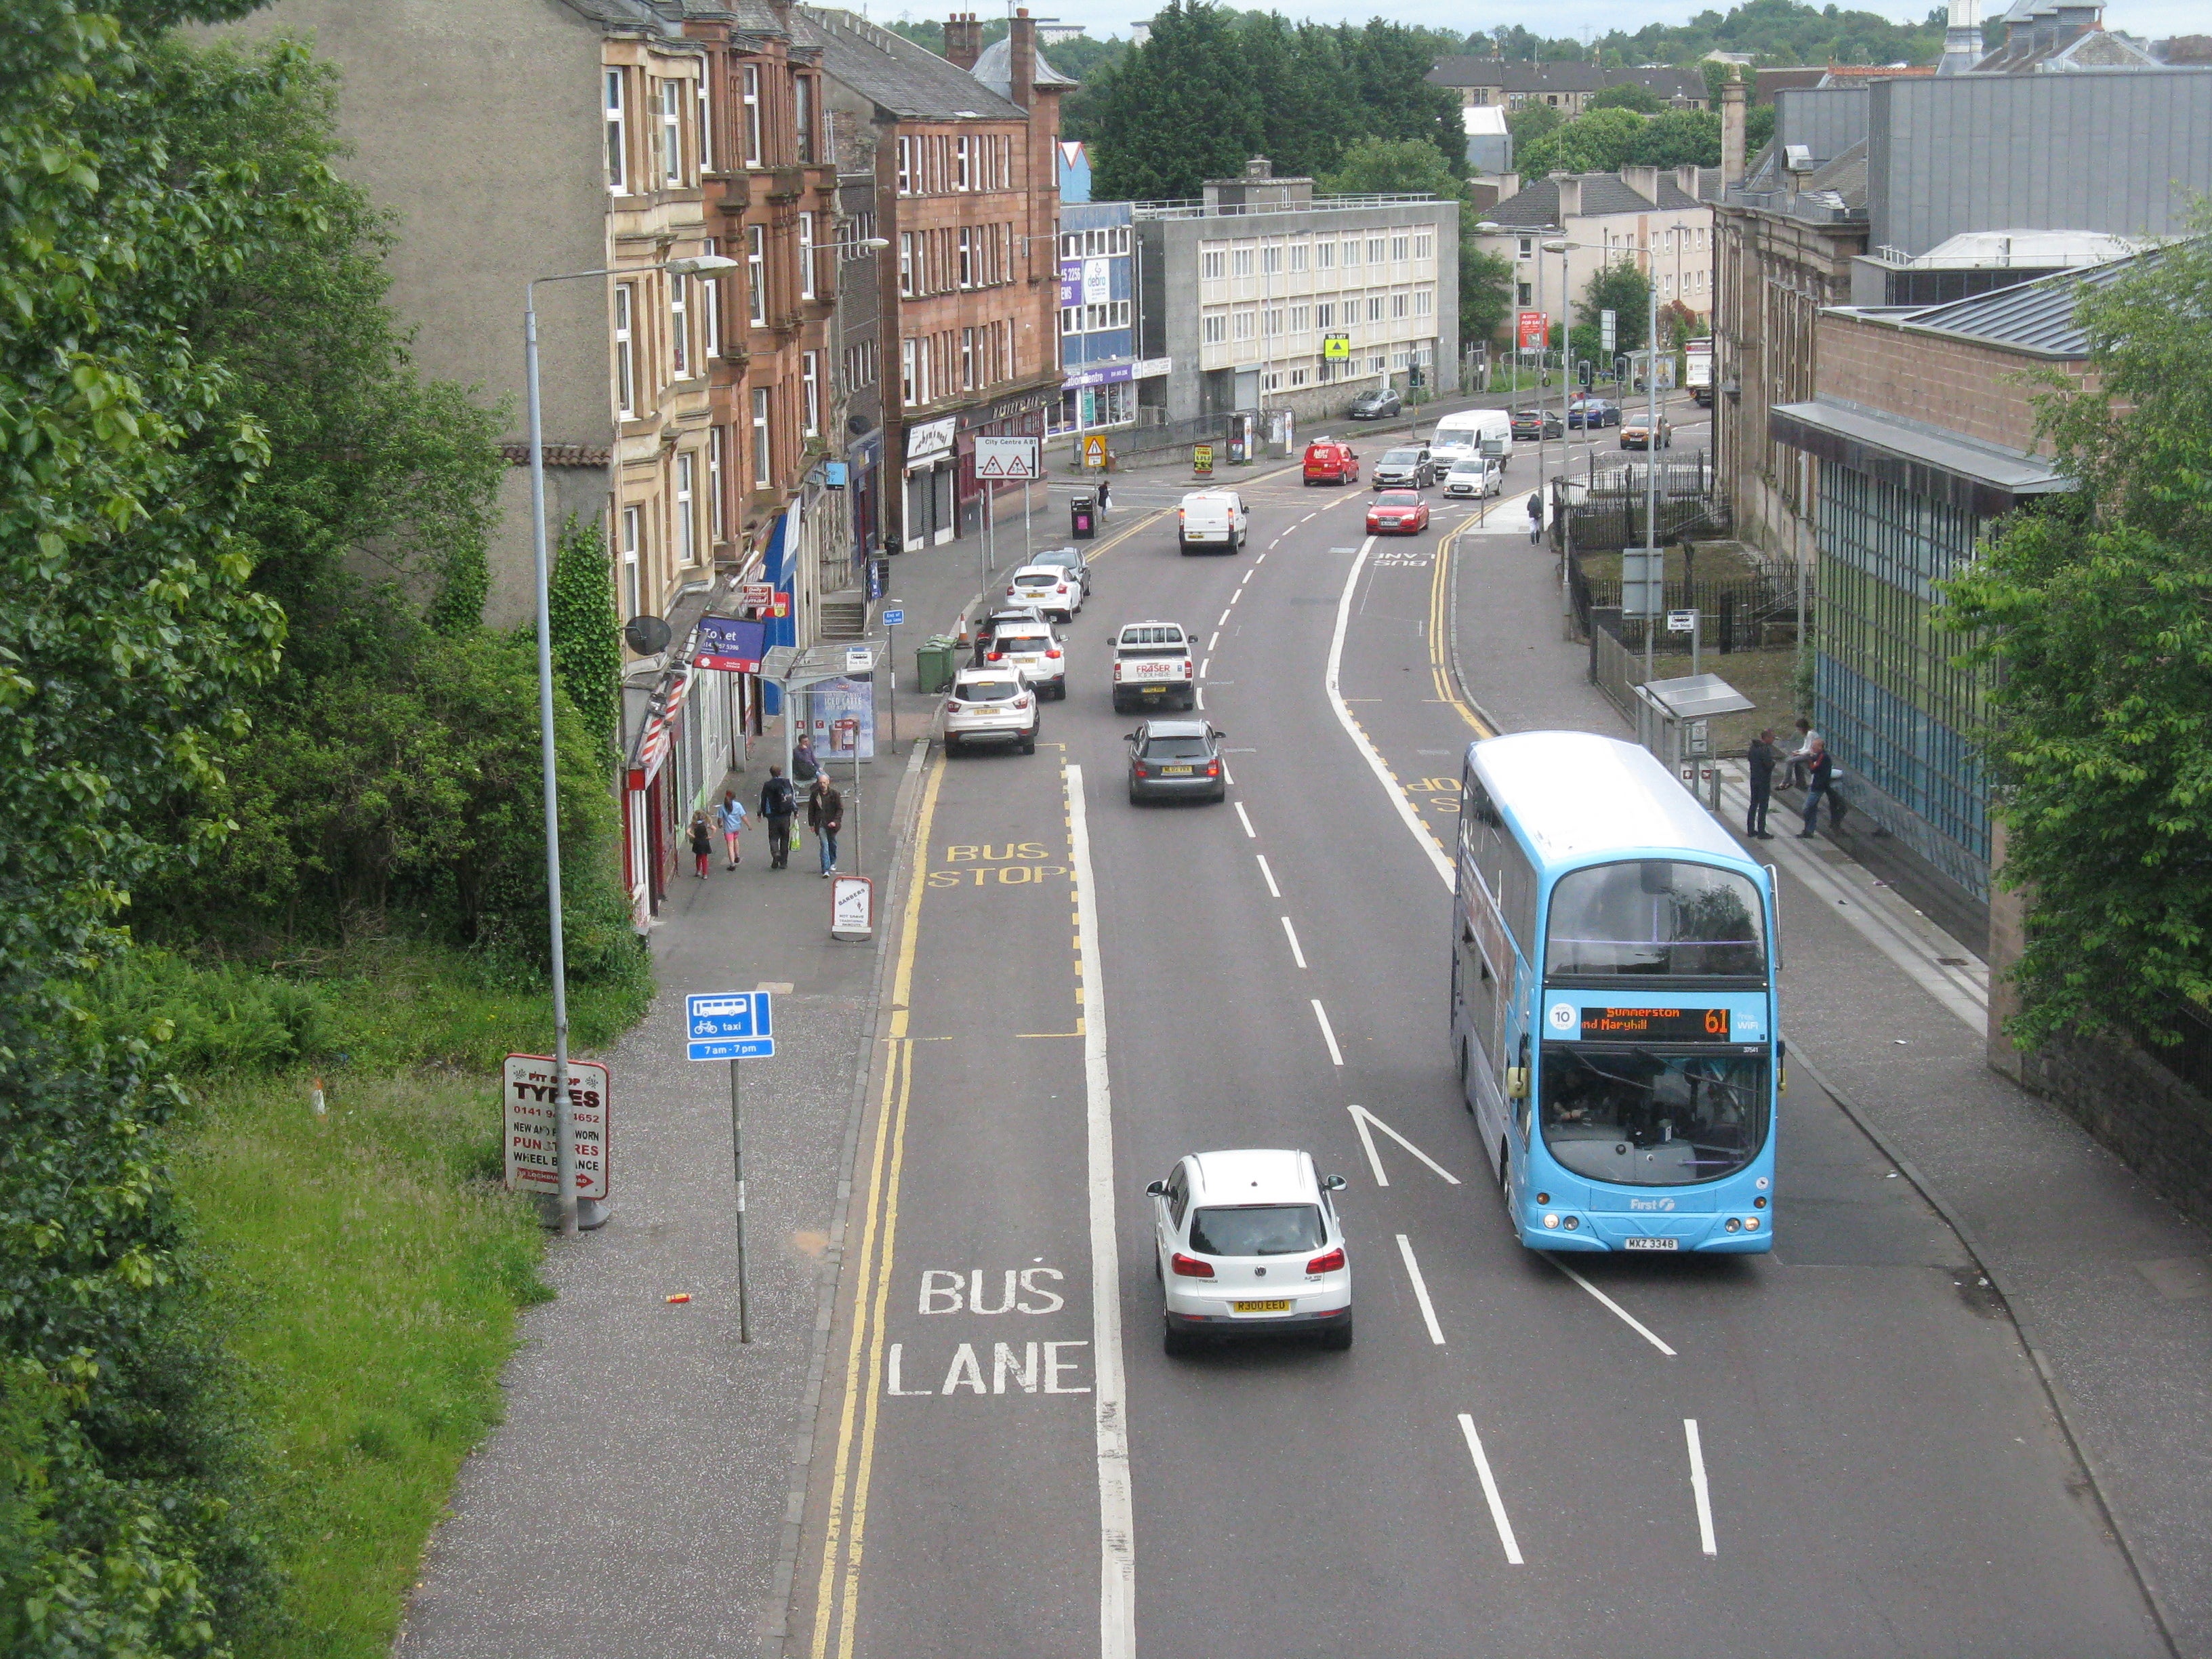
(1762,757)
(778,801)
(825,816)
(1820,776)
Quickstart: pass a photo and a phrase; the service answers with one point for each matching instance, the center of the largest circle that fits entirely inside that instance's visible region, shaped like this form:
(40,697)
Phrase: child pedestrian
(733,819)
(702,842)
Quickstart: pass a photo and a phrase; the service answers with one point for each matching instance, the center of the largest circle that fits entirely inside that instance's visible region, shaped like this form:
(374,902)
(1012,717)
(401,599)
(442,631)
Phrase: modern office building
(1103,380)
(1243,290)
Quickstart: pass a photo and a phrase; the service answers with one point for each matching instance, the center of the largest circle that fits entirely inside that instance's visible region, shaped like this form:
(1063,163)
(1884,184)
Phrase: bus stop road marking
(1619,1312)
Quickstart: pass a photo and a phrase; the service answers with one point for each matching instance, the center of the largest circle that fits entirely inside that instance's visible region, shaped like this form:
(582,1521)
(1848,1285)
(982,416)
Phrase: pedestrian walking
(1761,758)
(1820,773)
(804,765)
(825,816)
(1535,517)
(731,818)
(778,802)
(702,842)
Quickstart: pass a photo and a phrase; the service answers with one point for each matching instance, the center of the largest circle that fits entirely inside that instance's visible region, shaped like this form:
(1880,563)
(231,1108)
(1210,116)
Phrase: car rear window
(1397,498)
(1011,642)
(1037,578)
(1176,749)
(1145,641)
(986,691)
(1257,1229)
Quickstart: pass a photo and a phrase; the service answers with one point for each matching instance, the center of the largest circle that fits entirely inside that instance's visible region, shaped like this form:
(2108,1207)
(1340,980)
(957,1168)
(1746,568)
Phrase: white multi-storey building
(1244,290)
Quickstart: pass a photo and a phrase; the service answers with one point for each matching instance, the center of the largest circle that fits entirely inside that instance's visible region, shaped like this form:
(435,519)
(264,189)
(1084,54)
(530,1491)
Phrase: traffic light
(1586,375)
(1413,374)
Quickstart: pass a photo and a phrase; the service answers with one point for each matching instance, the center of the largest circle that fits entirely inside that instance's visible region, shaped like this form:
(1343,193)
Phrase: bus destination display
(1656,1025)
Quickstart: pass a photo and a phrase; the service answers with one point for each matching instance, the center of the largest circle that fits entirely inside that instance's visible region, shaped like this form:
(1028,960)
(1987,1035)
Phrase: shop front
(930,474)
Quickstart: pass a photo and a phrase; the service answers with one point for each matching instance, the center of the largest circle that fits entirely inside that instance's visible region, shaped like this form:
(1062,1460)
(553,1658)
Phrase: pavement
(1932,1421)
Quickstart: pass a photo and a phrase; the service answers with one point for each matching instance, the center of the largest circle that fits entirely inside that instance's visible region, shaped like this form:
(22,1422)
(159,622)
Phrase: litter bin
(932,664)
(1083,515)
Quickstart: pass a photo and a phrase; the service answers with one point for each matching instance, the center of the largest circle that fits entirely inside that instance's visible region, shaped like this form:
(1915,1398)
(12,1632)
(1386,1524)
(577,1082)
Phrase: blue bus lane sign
(729,1025)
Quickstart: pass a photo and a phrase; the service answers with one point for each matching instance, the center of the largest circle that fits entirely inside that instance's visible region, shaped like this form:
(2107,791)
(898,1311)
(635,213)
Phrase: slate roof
(2036,318)
(1537,205)
(898,74)
(1562,77)
(996,70)
(627,15)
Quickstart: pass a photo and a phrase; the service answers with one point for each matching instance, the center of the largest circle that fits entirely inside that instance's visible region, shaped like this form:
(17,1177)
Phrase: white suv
(1248,1243)
(990,705)
(1033,650)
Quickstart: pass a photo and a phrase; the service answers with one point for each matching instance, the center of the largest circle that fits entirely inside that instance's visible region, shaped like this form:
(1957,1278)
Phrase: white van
(1210,519)
(1475,432)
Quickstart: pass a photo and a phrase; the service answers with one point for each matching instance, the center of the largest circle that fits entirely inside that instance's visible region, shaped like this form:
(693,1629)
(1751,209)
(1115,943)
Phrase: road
(1836,1449)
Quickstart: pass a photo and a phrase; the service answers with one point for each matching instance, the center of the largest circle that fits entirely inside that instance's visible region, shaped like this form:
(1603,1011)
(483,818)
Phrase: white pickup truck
(1152,667)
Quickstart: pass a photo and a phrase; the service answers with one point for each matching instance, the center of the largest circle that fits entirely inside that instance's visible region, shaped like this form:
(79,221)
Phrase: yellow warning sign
(1094,450)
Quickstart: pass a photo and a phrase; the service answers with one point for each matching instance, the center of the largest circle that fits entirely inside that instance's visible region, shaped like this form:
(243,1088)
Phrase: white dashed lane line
(1292,933)
(1420,1291)
(1272,889)
(1327,1036)
(1251,834)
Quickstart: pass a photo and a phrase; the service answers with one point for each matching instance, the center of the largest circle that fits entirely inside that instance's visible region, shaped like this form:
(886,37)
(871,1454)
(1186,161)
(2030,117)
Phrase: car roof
(984,672)
(1177,728)
(1190,495)
(1254,1175)
(1399,496)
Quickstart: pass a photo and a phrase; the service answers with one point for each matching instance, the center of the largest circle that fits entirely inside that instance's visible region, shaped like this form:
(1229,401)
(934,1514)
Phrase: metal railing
(1187,208)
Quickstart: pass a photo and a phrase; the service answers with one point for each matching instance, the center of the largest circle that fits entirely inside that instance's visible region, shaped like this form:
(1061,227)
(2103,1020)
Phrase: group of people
(1811,767)
(780,805)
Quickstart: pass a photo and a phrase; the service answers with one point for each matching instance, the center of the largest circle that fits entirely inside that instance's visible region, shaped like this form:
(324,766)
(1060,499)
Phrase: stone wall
(1978,392)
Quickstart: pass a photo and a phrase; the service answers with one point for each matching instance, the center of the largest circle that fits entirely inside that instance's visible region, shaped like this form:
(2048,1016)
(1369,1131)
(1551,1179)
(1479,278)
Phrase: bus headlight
(1572,1222)
(1751,1224)
(1551,1221)
(1733,1224)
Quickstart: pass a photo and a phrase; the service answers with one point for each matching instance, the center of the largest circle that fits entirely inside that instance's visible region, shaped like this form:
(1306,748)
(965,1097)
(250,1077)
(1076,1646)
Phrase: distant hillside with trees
(1771,31)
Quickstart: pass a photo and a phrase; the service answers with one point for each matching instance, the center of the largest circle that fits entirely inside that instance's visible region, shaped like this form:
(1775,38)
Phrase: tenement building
(1245,288)
(965,155)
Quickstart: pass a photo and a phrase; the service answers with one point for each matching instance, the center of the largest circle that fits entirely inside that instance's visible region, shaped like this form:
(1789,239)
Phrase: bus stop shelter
(1674,721)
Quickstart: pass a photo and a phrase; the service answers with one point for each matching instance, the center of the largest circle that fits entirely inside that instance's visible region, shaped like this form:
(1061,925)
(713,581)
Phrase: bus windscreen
(1652,1120)
(1655,916)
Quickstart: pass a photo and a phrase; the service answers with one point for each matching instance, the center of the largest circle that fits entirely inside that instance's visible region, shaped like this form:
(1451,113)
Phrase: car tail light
(1189,1266)
(1022,702)
(1141,770)
(1055,652)
(1331,1262)
(1117,669)
(1186,669)
(992,657)
(1213,768)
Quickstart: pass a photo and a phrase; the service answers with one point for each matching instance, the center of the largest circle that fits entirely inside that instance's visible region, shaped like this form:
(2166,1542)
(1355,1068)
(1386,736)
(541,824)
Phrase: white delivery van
(1475,431)
(1210,519)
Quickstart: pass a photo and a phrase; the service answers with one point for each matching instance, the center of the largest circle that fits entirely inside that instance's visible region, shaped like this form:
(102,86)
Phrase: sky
(2150,19)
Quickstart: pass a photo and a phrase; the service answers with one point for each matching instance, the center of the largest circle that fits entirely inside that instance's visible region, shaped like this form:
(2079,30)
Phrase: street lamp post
(564,1136)
(1563,247)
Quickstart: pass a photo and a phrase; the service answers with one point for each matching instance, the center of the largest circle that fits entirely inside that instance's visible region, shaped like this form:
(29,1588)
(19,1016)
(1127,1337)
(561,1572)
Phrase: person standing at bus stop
(1820,776)
(1761,759)
(778,801)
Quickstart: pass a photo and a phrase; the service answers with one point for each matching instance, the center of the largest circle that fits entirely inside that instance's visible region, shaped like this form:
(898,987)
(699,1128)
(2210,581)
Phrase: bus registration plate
(1650,1244)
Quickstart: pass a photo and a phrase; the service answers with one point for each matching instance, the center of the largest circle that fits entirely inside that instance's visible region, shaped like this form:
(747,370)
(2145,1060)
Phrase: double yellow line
(846,1533)
(1440,622)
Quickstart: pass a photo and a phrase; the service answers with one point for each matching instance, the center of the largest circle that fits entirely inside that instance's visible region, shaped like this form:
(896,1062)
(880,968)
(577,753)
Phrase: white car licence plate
(1650,1244)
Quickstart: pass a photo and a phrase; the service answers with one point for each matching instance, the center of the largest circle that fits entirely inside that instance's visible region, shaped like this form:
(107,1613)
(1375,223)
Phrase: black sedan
(1378,405)
(1530,424)
(1176,760)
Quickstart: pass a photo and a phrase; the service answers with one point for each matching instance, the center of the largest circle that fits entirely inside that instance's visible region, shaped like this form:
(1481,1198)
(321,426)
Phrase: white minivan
(1475,432)
(1212,519)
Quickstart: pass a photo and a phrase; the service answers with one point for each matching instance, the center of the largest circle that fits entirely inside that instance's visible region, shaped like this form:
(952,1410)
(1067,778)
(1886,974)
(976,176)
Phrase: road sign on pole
(1006,460)
(1681,622)
(1606,330)
(893,618)
(729,1025)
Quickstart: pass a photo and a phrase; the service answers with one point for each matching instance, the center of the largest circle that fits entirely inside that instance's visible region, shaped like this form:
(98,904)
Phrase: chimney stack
(1962,39)
(1570,198)
(963,40)
(1732,115)
(1021,64)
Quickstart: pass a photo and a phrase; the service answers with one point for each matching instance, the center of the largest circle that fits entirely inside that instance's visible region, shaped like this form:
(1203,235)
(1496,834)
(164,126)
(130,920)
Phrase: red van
(1330,462)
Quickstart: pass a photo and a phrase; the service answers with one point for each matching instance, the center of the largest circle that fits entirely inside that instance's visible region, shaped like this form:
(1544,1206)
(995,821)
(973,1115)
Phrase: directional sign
(1607,324)
(728,1025)
(1681,622)
(1007,461)
(893,618)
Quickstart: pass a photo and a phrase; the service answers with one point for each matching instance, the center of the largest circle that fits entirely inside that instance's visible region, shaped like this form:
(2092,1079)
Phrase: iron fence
(1605,510)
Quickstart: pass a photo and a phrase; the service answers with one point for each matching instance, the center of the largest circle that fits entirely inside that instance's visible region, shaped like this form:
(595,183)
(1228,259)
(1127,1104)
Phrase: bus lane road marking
(1610,1305)
(1420,1291)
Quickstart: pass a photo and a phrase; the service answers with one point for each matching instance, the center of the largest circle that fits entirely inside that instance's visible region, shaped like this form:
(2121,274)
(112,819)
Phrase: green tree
(1627,94)
(1381,165)
(1485,291)
(2090,625)
(1623,289)
(1680,138)
(1530,123)
(587,629)
(1177,111)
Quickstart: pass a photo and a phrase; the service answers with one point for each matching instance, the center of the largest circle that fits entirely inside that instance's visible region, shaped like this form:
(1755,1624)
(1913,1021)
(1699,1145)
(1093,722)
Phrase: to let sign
(532,1158)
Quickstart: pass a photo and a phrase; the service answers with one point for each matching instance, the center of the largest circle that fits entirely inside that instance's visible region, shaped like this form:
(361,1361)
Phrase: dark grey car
(1176,760)
(1378,405)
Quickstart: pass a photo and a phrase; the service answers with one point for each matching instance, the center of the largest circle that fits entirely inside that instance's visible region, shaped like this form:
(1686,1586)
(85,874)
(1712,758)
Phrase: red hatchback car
(1397,511)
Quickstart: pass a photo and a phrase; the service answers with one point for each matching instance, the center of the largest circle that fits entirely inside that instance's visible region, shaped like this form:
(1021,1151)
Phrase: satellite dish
(647,636)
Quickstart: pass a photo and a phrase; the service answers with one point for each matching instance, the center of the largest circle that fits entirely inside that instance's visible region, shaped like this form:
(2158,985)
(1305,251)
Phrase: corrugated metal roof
(2037,317)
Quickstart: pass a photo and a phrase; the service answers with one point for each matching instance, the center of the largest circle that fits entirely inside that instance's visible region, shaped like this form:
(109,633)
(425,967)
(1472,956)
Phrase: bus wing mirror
(1516,1083)
(1774,898)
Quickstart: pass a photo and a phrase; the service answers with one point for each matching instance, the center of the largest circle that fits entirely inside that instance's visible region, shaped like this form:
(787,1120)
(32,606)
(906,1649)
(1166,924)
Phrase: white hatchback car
(990,705)
(1248,1243)
(1052,590)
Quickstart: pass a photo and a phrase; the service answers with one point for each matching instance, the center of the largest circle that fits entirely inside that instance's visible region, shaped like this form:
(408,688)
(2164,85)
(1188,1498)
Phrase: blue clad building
(1101,370)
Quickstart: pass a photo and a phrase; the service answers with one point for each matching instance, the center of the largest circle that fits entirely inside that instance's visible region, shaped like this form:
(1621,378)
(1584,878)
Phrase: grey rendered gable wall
(2122,151)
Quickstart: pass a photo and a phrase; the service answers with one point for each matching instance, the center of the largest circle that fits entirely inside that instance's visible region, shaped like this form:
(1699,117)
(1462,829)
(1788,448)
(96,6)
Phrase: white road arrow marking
(1361,1117)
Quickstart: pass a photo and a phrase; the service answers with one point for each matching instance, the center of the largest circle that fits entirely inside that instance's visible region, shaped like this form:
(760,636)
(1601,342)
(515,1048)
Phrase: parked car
(1379,405)
(1249,1243)
(1073,560)
(1533,424)
(991,705)
(1210,520)
(1152,664)
(1053,591)
(1034,651)
(1176,760)
(1636,432)
(1589,414)
(1407,467)
(1397,511)
(1477,475)
(1330,462)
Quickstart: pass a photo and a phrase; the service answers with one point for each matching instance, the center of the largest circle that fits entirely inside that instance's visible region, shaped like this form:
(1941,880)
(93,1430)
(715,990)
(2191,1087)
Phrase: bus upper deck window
(1655,916)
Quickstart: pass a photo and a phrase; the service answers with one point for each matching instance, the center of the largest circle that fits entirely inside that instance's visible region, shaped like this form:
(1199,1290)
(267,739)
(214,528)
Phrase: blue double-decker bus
(1613,1001)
